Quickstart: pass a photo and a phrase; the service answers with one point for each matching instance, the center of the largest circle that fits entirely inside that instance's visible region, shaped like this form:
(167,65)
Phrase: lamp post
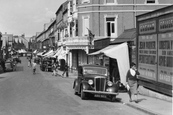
(0,45)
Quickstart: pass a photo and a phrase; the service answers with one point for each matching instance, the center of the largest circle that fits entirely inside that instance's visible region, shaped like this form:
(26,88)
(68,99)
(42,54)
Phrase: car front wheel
(83,94)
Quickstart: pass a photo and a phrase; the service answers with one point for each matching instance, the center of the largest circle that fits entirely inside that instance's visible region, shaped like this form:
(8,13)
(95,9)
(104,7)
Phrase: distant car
(10,65)
(94,80)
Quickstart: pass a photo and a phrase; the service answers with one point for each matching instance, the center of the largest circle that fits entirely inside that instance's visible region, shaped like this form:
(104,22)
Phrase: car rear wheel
(83,94)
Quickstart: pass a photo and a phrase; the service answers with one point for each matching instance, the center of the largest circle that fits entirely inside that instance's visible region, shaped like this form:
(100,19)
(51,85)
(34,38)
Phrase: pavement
(158,105)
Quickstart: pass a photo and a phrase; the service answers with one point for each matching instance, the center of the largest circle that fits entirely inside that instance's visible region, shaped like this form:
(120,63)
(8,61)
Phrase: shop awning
(35,51)
(39,54)
(121,54)
(61,54)
(49,52)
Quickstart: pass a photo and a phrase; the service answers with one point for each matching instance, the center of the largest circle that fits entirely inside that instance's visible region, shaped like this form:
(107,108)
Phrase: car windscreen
(95,70)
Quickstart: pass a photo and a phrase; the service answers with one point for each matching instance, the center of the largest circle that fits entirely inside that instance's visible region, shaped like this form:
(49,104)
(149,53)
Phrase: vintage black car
(94,80)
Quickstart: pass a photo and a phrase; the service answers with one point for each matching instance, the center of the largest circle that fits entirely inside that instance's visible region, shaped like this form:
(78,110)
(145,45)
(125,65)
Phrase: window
(111,26)
(85,21)
(110,1)
(151,1)
(85,1)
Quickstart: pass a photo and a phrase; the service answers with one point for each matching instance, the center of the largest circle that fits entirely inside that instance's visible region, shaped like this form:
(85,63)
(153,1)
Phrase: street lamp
(0,45)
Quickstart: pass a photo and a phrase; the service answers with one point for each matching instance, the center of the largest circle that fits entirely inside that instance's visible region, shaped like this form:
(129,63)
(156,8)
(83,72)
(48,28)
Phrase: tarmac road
(22,93)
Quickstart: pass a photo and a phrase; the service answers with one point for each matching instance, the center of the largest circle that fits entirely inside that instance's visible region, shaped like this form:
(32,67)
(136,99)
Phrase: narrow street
(23,93)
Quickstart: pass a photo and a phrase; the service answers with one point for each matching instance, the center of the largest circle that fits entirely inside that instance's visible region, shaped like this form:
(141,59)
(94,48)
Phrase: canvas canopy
(49,52)
(61,54)
(39,54)
(121,54)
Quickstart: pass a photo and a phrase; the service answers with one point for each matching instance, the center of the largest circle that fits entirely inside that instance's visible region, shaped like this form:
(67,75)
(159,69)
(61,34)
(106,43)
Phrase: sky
(27,17)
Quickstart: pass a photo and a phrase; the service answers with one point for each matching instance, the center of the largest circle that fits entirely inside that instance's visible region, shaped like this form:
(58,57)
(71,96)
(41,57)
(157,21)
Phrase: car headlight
(90,82)
(110,83)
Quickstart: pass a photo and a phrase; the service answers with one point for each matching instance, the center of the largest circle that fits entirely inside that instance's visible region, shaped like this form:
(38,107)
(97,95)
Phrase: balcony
(75,41)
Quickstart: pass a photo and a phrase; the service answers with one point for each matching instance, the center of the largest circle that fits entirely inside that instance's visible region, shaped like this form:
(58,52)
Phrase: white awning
(39,54)
(61,54)
(35,51)
(49,52)
(121,53)
(57,53)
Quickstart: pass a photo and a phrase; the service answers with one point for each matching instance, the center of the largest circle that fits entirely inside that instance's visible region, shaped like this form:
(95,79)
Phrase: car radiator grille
(100,84)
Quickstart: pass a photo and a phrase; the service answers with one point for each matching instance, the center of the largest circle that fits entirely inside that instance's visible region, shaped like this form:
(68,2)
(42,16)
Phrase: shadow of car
(10,65)
(94,80)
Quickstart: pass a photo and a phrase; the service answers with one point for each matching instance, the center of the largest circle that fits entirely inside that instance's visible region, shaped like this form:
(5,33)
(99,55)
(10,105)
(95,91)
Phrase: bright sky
(26,16)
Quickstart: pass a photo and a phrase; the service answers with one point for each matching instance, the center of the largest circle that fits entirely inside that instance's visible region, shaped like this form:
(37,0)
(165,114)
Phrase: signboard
(165,55)
(147,56)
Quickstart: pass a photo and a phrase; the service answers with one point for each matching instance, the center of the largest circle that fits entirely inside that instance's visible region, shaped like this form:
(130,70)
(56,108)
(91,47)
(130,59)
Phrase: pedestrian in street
(54,66)
(65,70)
(57,66)
(29,62)
(34,66)
(132,85)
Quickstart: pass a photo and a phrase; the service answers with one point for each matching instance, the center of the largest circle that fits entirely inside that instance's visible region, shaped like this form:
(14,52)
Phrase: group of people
(55,67)
(32,63)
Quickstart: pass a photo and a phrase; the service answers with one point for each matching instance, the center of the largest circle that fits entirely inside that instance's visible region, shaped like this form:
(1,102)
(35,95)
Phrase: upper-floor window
(85,22)
(110,1)
(151,1)
(111,26)
(85,1)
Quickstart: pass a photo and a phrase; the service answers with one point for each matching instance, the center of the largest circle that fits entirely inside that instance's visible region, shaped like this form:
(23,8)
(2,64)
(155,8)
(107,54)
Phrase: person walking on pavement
(131,79)
(65,70)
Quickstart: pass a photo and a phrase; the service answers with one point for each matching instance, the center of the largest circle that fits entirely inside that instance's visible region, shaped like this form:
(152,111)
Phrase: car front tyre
(83,94)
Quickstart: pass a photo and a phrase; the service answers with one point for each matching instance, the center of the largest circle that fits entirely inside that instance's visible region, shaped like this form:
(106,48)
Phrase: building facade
(78,20)
(104,18)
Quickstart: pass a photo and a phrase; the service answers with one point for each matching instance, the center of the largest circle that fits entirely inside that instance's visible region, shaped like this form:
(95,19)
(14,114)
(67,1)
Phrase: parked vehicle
(10,65)
(43,65)
(46,65)
(94,80)
(2,63)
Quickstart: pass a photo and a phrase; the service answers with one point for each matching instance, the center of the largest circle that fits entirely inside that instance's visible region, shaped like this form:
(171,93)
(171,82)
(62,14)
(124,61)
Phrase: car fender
(85,85)
(113,88)
(75,84)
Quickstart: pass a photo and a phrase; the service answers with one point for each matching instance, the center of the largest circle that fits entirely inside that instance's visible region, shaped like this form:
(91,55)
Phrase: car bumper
(100,92)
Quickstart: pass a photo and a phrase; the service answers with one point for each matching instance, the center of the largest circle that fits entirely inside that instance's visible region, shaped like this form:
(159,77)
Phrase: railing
(83,40)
